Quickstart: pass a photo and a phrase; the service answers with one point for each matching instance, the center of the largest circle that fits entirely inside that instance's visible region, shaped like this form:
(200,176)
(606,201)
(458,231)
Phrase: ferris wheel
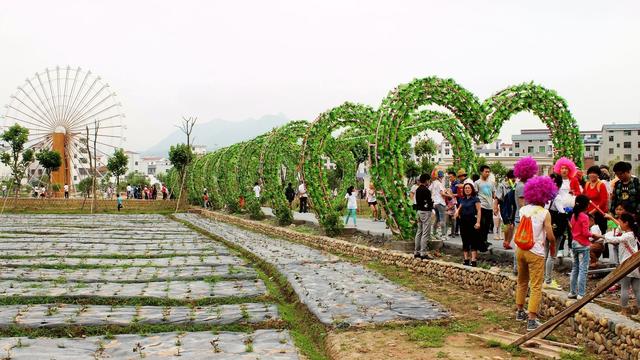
(58,105)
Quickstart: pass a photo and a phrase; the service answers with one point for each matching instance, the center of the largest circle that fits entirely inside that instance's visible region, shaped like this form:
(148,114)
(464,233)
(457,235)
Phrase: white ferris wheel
(57,105)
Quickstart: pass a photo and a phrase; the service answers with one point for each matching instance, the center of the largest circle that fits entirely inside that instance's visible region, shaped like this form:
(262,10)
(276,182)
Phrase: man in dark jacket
(424,205)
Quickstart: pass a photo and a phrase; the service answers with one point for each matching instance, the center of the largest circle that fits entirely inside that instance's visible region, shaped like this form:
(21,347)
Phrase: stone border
(600,330)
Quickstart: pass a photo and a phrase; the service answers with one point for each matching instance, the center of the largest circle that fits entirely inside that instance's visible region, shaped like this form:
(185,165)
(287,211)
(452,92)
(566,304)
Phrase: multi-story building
(155,165)
(621,142)
(199,150)
(135,162)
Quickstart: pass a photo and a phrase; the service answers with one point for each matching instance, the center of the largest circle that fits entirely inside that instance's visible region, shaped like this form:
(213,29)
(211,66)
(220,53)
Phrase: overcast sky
(241,59)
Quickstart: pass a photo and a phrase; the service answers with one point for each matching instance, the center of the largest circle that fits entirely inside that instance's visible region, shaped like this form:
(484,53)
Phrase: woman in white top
(373,201)
(628,245)
(352,205)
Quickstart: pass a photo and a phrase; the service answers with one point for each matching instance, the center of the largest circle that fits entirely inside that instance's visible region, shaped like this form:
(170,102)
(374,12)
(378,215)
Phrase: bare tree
(187,128)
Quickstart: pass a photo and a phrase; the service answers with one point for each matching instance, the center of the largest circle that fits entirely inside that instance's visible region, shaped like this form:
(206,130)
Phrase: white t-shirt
(437,189)
(302,190)
(371,195)
(66,188)
(352,202)
(128,188)
(537,215)
(414,187)
(256,190)
(595,229)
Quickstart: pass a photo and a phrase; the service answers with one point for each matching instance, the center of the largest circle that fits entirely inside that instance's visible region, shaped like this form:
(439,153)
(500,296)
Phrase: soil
(395,344)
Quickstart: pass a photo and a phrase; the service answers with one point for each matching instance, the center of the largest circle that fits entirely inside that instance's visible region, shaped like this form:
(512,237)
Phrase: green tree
(180,156)
(117,165)
(498,169)
(84,186)
(136,178)
(411,171)
(360,151)
(17,158)
(425,147)
(50,160)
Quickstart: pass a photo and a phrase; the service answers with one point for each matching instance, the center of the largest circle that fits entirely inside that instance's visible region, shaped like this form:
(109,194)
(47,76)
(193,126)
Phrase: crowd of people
(144,192)
(590,217)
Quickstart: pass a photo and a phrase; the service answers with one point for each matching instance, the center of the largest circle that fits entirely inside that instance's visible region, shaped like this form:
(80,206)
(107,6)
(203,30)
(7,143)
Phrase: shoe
(465,262)
(572,296)
(426,257)
(533,324)
(416,255)
(521,315)
(552,285)
(614,288)
(506,246)
(579,297)
(474,264)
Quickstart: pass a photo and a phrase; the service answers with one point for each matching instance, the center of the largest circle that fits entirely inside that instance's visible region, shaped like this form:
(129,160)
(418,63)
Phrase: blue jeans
(579,269)
(350,212)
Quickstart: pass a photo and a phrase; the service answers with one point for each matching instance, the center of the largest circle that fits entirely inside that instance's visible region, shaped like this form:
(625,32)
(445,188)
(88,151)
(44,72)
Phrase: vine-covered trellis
(300,150)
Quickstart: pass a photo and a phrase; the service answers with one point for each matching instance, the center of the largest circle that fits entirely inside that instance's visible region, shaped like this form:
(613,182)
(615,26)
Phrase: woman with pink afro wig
(568,170)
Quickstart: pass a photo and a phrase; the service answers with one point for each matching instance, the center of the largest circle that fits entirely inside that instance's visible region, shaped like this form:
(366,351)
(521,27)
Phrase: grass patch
(428,336)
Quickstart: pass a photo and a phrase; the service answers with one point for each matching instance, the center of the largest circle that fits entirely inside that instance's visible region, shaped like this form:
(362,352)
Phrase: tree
(425,147)
(117,165)
(360,151)
(17,158)
(50,160)
(411,171)
(85,186)
(498,170)
(180,156)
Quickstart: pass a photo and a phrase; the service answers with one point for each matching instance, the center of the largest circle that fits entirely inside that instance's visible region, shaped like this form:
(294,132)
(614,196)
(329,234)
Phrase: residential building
(199,150)
(621,142)
(154,165)
(135,162)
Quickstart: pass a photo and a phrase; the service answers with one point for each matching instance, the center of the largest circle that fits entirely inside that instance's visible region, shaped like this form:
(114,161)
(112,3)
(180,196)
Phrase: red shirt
(598,194)
(580,229)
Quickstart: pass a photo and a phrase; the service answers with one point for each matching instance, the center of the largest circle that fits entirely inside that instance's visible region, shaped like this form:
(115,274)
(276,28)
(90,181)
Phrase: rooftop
(635,126)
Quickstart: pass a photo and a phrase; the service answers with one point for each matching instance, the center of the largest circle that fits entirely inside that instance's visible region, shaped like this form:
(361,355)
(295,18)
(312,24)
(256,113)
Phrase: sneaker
(521,315)
(579,297)
(533,324)
(572,296)
(426,257)
(559,254)
(465,263)
(553,285)
(474,264)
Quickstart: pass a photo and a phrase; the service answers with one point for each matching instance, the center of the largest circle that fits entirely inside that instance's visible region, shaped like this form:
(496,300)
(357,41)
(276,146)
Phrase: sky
(243,59)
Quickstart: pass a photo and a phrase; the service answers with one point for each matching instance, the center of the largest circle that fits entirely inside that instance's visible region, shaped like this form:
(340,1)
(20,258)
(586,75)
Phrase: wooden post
(620,272)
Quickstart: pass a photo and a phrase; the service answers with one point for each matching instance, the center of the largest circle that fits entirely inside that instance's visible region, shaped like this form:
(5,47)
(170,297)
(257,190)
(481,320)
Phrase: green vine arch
(300,146)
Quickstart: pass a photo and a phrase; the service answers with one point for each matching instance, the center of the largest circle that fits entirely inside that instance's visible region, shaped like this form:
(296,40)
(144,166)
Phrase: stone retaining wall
(601,330)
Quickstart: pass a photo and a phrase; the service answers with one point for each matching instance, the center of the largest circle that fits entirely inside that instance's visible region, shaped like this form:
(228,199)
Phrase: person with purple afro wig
(525,168)
(531,262)
(540,190)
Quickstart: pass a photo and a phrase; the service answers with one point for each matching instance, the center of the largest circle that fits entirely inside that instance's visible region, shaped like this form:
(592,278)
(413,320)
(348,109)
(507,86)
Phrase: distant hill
(219,133)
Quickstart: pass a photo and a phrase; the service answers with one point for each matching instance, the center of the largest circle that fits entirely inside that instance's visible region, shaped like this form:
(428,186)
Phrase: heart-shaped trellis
(314,148)
(228,171)
(482,122)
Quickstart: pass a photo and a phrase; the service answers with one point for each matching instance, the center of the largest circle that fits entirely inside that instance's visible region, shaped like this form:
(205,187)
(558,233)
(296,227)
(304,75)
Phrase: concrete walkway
(379,228)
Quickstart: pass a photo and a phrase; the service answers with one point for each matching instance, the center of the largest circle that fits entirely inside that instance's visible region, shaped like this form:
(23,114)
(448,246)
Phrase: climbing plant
(482,121)
(315,156)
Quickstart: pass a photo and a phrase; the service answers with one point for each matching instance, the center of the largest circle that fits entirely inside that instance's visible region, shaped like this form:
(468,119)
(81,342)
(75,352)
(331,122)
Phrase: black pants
(486,221)
(561,231)
(66,194)
(303,205)
(469,234)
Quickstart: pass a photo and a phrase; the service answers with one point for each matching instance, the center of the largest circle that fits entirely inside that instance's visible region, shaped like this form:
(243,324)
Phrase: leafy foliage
(117,165)
(17,158)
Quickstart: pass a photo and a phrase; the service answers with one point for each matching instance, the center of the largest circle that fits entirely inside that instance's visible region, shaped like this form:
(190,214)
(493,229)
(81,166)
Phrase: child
(119,201)
(451,209)
(628,245)
(352,205)
(580,246)
(597,245)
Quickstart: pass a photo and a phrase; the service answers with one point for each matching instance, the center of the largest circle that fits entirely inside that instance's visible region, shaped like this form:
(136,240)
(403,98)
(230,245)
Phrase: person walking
(530,249)
(372,201)
(505,196)
(302,194)
(438,194)
(129,191)
(628,245)
(469,215)
(119,202)
(66,191)
(164,192)
(486,190)
(567,192)
(424,206)
(290,194)
(580,245)
(352,205)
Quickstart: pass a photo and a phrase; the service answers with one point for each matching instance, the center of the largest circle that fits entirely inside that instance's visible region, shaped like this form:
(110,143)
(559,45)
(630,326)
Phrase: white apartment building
(154,165)
(621,142)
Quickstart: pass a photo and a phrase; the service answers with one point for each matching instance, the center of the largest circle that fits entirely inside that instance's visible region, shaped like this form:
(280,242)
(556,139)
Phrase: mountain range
(219,133)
